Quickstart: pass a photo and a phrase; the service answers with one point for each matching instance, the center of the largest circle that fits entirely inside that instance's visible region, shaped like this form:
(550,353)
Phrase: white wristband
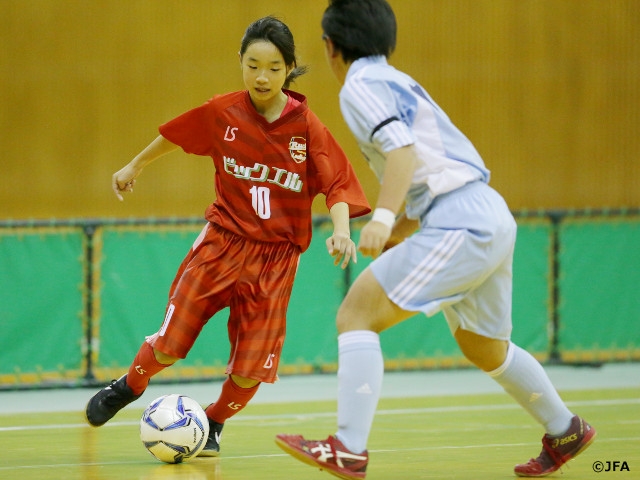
(384,216)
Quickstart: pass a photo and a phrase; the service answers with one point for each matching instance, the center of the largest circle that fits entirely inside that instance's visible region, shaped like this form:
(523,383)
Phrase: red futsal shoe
(330,455)
(556,451)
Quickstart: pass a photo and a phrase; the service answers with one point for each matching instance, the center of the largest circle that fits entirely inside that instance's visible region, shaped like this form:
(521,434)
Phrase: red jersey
(267,174)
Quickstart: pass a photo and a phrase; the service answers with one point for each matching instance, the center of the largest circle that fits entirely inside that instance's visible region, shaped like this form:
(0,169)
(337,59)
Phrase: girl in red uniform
(272,156)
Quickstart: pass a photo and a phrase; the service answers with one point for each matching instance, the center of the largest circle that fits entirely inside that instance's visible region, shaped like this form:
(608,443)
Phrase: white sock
(360,373)
(522,377)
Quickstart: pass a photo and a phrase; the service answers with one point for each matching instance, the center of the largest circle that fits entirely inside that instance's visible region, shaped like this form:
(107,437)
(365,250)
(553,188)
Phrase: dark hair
(272,30)
(360,28)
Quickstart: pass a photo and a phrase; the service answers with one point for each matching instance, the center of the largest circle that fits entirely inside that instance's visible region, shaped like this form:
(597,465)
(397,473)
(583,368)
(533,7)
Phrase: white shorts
(460,262)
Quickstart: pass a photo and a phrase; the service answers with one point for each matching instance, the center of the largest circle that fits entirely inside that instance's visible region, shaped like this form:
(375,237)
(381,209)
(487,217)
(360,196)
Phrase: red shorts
(254,279)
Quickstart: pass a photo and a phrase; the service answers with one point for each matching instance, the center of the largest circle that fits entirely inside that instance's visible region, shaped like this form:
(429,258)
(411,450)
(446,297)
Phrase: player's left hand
(342,249)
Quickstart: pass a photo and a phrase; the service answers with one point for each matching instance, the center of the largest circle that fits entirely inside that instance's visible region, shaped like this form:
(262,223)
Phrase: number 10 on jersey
(260,201)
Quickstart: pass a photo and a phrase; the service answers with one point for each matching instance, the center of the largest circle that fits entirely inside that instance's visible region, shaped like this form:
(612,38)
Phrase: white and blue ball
(174,428)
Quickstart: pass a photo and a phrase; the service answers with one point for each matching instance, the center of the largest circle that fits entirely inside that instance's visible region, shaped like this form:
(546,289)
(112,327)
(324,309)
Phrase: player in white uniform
(459,260)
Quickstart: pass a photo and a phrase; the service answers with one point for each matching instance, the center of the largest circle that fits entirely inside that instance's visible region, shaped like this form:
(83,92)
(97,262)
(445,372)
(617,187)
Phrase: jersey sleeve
(193,130)
(334,174)
(379,112)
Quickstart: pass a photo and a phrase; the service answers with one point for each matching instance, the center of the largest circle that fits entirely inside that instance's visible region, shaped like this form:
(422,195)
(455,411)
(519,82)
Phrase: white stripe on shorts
(428,268)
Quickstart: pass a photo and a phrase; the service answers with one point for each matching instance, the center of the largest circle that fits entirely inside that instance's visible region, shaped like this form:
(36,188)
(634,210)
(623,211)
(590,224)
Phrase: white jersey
(387,109)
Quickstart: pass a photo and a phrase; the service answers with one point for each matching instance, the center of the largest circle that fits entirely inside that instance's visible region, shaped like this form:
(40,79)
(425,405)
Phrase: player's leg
(256,327)
(149,360)
(119,393)
(482,325)
(235,394)
(365,311)
(195,295)
(244,376)
(526,381)
(521,375)
(485,353)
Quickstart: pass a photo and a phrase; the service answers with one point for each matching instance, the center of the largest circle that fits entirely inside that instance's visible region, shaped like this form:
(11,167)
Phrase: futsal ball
(174,428)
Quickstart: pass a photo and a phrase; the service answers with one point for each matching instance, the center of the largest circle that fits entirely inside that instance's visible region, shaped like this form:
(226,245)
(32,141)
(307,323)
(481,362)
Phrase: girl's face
(263,72)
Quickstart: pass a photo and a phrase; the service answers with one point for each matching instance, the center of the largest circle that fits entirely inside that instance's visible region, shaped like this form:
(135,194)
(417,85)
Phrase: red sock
(144,367)
(232,399)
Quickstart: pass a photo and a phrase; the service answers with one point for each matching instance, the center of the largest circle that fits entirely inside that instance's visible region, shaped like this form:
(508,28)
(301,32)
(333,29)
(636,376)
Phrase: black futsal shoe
(109,401)
(212,447)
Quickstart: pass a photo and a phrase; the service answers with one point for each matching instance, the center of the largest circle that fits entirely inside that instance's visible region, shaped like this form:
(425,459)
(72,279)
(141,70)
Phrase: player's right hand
(342,249)
(123,181)
(373,238)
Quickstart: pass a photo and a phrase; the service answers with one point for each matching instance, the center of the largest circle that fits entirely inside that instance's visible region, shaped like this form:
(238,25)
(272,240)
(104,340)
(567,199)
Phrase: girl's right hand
(124,180)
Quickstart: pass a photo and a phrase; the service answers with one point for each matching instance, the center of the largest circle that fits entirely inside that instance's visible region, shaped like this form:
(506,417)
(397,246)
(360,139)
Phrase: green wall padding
(317,293)
(41,292)
(600,300)
(532,275)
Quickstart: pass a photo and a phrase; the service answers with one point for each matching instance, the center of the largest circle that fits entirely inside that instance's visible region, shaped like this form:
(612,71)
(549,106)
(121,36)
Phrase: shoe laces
(118,397)
(549,456)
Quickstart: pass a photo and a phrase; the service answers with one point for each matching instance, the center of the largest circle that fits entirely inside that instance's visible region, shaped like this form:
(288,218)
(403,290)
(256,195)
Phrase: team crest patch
(298,149)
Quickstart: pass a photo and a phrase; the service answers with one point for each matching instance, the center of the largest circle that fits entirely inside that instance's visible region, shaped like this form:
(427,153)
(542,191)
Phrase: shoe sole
(208,453)
(309,460)
(581,449)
